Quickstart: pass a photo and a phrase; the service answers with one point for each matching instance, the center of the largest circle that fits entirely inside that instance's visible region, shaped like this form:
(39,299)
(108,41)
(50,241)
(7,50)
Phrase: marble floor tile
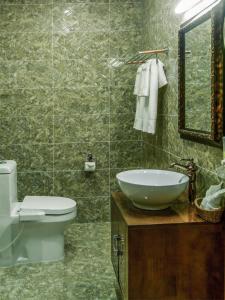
(85,274)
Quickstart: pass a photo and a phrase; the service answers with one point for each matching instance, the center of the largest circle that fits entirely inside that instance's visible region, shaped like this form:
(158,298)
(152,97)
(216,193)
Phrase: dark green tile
(80,100)
(80,184)
(34,2)
(122,100)
(44,289)
(25,18)
(121,128)
(175,143)
(89,238)
(25,74)
(131,19)
(114,186)
(160,138)
(25,102)
(94,209)
(156,158)
(208,157)
(69,73)
(96,270)
(129,1)
(73,156)
(81,128)
(162,101)
(81,17)
(34,184)
(123,76)
(32,74)
(29,157)
(81,1)
(87,259)
(21,130)
(4,75)
(125,44)
(126,154)
(92,290)
(7,292)
(25,46)
(78,45)
(171,98)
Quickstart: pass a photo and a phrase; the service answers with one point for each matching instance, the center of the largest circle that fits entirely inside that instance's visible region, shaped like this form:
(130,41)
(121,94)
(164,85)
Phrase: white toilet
(32,230)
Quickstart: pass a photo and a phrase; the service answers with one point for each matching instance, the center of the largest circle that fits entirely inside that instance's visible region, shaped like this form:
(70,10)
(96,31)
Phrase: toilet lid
(50,205)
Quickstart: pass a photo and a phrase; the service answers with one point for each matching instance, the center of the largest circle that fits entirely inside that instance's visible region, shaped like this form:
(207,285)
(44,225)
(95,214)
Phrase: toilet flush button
(31,215)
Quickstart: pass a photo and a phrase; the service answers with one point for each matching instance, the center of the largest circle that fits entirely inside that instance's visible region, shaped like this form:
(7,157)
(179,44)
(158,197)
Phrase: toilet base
(41,243)
(38,242)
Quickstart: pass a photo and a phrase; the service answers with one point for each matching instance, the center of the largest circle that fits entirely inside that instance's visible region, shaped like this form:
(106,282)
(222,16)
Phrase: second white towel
(150,77)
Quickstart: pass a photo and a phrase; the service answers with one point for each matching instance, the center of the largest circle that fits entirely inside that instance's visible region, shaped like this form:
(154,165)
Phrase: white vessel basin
(152,189)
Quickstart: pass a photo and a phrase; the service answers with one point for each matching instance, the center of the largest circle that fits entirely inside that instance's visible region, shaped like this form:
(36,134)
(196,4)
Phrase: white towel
(142,82)
(140,108)
(138,80)
(150,77)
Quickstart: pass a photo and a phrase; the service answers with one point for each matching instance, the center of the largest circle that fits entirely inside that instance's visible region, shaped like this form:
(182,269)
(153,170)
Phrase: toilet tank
(8,186)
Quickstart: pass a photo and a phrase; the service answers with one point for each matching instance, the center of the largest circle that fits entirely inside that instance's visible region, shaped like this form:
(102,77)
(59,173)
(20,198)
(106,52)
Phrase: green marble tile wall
(60,100)
(161,26)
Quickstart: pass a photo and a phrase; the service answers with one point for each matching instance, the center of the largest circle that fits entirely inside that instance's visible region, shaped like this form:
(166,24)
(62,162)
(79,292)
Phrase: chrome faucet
(191,168)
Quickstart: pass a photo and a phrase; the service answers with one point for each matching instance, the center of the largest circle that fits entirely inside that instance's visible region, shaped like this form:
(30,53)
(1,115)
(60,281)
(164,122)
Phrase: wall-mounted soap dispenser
(90,163)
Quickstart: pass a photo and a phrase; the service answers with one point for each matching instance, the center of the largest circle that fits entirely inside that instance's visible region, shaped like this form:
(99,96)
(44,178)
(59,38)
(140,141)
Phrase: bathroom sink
(152,189)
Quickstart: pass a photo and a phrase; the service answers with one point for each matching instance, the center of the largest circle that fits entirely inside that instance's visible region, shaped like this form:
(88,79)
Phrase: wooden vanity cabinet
(167,255)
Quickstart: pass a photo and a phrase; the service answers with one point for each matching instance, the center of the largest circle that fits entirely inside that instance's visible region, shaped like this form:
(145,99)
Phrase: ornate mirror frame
(214,137)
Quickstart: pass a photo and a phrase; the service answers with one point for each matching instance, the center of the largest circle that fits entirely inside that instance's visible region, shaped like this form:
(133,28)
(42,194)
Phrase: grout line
(52,2)
(53,104)
(60,171)
(71,32)
(54,31)
(141,46)
(65,59)
(47,114)
(91,197)
(72,143)
(60,3)
(26,4)
(75,170)
(101,172)
(109,89)
(63,3)
(67,87)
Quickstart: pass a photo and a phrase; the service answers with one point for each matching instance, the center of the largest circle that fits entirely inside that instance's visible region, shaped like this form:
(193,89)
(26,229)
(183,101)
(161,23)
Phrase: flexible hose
(13,241)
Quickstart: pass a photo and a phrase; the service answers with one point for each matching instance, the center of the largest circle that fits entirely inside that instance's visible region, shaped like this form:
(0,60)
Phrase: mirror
(224,30)
(198,77)
(201,47)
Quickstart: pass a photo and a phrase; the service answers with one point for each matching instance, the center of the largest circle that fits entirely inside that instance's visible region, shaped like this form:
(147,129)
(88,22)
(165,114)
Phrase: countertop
(179,213)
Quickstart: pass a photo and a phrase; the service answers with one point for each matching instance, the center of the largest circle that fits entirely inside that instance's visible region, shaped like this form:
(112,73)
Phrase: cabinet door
(119,249)
(123,258)
(114,239)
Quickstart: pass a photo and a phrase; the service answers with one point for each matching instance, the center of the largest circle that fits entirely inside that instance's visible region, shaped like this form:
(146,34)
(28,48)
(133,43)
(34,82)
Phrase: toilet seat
(48,204)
